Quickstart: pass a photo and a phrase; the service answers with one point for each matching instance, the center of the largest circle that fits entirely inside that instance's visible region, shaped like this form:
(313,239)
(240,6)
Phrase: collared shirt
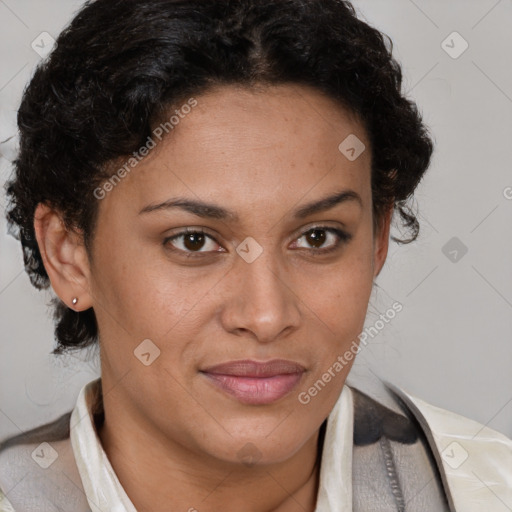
(475,461)
(105,492)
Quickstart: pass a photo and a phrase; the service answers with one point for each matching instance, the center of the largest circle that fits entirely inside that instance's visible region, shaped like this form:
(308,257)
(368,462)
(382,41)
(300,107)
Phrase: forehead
(250,146)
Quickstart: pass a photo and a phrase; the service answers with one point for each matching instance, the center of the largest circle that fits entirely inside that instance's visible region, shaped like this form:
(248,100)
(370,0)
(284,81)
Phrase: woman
(208,187)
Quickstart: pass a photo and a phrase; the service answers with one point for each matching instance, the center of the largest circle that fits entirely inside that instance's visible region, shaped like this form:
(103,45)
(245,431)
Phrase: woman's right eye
(191,241)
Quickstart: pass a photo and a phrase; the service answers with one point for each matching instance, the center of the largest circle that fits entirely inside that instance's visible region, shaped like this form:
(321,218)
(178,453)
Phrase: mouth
(255,382)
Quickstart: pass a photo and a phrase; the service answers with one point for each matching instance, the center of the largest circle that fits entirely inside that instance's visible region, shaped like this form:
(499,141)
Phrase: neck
(157,474)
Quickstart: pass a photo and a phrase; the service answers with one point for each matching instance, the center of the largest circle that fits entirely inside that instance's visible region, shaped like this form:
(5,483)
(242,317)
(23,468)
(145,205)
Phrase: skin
(262,154)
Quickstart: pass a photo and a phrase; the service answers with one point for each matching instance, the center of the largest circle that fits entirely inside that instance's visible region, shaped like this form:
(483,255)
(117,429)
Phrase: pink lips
(254,382)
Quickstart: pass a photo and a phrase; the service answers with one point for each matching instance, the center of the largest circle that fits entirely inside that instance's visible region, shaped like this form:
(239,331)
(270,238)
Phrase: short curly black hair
(121,64)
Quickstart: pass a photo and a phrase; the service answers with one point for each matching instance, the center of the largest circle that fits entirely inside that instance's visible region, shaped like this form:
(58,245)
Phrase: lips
(255,382)
(249,368)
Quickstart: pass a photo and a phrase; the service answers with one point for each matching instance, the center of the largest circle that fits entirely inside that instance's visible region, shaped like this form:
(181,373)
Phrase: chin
(258,449)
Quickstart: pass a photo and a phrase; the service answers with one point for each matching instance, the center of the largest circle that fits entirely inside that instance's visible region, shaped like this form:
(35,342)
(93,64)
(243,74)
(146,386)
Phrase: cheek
(340,295)
(340,303)
(343,310)
(131,278)
(128,295)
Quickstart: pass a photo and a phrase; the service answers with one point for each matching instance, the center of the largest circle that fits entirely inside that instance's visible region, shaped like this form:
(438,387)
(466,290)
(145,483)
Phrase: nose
(261,302)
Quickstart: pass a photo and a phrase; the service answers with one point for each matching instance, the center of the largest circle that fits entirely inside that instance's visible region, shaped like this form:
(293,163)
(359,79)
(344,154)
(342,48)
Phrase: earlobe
(64,258)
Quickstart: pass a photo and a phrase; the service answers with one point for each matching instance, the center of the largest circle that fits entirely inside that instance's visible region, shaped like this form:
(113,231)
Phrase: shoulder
(5,505)
(471,462)
(32,465)
(475,460)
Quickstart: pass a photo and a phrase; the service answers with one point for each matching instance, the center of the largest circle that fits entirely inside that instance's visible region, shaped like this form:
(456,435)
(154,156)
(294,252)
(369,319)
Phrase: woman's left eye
(193,241)
(319,235)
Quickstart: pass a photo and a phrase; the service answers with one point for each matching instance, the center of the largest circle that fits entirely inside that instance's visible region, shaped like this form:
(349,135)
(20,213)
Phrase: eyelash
(342,235)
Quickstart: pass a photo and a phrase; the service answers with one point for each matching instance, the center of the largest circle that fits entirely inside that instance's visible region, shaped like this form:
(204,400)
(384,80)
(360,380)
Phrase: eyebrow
(213,211)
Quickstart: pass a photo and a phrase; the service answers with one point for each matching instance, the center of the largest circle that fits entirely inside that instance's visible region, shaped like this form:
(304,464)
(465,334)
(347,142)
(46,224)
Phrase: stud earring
(75,300)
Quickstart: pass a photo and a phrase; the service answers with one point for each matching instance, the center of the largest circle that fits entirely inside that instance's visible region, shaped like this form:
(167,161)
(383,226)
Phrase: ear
(381,241)
(64,257)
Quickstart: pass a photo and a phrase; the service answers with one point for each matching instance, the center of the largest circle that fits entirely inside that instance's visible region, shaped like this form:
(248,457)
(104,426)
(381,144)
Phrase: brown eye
(194,241)
(191,241)
(317,237)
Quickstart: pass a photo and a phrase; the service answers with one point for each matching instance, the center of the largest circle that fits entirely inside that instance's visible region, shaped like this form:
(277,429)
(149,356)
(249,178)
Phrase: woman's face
(260,284)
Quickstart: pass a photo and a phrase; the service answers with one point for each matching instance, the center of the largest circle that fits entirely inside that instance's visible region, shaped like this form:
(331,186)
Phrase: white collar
(103,490)
(105,493)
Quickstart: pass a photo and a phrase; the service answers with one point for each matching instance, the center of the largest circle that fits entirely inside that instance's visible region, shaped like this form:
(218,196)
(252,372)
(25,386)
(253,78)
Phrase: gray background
(451,344)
